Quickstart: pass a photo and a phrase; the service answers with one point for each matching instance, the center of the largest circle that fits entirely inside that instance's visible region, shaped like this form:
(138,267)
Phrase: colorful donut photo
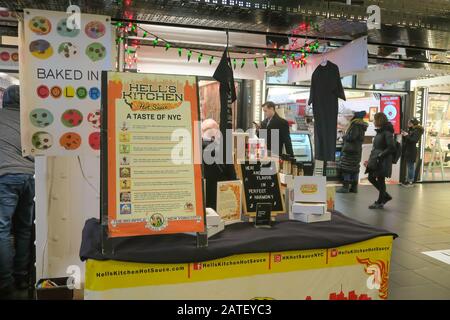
(42,140)
(94,119)
(41,49)
(56,92)
(67,50)
(94,93)
(43,91)
(95,29)
(95,51)
(4,56)
(67,31)
(72,118)
(15,57)
(70,141)
(41,118)
(40,25)
(94,140)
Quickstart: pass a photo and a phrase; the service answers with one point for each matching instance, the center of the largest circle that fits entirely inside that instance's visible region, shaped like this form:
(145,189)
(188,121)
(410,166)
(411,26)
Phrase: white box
(212,217)
(310,189)
(212,230)
(286,179)
(309,217)
(309,208)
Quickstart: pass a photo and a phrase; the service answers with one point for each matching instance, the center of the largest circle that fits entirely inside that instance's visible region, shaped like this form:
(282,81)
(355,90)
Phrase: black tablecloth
(237,238)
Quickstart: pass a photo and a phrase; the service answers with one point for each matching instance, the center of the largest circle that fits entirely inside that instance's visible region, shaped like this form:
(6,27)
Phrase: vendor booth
(337,260)
(113,113)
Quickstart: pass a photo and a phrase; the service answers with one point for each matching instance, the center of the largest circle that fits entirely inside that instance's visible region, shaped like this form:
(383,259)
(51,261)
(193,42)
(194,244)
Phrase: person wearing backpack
(410,139)
(379,165)
(351,153)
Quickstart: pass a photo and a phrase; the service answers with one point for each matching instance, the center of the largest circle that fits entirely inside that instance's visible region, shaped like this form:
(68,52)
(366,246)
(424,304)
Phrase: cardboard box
(287,180)
(212,217)
(60,292)
(310,189)
(312,208)
(213,230)
(309,217)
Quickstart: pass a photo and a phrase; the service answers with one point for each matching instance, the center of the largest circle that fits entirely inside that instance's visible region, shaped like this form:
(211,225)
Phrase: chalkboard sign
(261,184)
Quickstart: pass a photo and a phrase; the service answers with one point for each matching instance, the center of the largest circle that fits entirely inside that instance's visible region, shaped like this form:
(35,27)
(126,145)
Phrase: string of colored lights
(127,30)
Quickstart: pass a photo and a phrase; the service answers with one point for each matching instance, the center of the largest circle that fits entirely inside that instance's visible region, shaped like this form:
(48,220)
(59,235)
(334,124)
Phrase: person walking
(410,139)
(16,200)
(351,153)
(379,165)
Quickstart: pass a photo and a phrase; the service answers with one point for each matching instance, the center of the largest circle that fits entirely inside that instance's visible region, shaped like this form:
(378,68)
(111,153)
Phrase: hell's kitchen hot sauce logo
(308,188)
(153,97)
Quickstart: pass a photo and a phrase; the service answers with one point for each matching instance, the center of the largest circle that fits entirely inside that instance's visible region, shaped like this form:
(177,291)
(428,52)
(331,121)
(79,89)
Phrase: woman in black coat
(351,153)
(410,139)
(379,166)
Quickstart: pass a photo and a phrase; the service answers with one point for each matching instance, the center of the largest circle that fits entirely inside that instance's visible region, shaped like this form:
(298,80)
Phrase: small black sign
(263,215)
(261,185)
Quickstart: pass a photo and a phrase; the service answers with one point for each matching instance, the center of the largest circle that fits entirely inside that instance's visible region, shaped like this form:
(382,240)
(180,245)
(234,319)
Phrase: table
(339,259)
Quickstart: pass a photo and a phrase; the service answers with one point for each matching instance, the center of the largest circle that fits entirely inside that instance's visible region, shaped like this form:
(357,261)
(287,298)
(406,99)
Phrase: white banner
(61,59)
(350,59)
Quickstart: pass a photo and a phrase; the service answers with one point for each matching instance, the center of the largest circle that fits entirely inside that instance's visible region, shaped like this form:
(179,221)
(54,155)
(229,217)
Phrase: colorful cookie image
(94,93)
(41,118)
(95,29)
(72,118)
(4,56)
(94,119)
(94,140)
(42,91)
(41,49)
(67,49)
(70,141)
(82,92)
(15,57)
(40,25)
(95,51)
(42,140)
(56,92)
(65,31)
(69,92)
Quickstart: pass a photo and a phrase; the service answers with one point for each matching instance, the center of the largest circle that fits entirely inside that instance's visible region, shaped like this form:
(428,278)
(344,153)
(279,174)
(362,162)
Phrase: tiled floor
(421,218)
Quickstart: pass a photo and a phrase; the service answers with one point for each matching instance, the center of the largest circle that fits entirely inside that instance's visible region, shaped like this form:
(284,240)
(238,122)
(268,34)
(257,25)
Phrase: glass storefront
(292,102)
(436,159)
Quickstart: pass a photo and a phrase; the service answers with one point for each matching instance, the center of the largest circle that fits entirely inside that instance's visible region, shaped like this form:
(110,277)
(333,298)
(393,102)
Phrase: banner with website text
(61,59)
(153,184)
(358,271)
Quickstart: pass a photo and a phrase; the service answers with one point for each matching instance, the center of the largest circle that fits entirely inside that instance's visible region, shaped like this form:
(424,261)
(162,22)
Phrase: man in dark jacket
(379,166)
(16,199)
(271,122)
(410,139)
(213,171)
(351,152)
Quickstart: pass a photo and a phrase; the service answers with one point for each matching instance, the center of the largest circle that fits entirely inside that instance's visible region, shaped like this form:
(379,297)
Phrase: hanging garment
(326,88)
(224,74)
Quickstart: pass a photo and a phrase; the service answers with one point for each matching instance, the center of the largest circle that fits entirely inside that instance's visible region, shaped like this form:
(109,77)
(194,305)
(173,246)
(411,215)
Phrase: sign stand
(263,215)
(138,198)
